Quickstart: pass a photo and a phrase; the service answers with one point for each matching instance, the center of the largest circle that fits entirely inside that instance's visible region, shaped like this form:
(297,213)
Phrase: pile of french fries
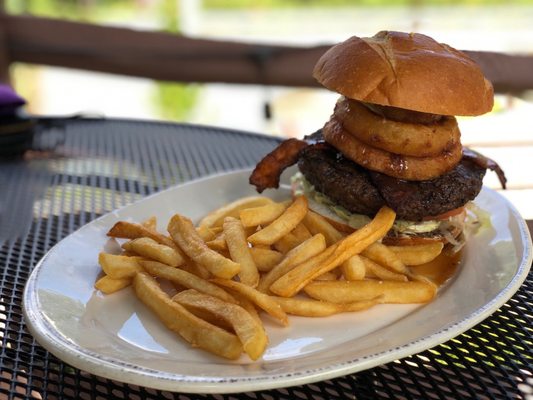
(259,256)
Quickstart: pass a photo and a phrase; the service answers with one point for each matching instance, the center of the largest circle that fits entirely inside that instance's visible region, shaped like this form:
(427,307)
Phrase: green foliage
(175,101)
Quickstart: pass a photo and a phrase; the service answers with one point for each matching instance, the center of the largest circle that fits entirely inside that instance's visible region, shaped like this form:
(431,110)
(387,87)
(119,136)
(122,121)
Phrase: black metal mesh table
(94,166)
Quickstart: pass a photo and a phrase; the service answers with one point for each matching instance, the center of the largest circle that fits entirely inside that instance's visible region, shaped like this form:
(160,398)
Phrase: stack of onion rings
(396,165)
(409,139)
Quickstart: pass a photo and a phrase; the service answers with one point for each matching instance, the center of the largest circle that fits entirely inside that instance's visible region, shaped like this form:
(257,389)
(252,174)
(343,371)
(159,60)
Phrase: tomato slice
(446,215)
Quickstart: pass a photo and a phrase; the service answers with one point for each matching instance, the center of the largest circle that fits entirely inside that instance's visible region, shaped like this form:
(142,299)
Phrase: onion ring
(410,139)
(398,166)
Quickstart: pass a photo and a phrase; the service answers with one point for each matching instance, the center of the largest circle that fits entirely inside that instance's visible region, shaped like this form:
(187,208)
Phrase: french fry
(206,315)
(130,230)
(353,269)
(247,305)
(216,217)
(218,243)
(376,270)
(301,233)
(184,234)
(150,223)
(194,330)
(262,215)
(319,308)
(316,223)
(149,248)
(292,239)
(311,247)
(294,280)
(119,266)
(196,269)
(206,233)
(262,300)
(239,251)
(186,279)
(249,332)
(272,251)
(265,259)
(417,254)
(326,276)
(286,243)
(305,272)
(109,285)
(282,225)
(381,254)
(389,291)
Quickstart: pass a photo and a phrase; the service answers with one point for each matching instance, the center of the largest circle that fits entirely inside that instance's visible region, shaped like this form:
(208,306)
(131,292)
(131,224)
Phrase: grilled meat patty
(364,192)
(342,180)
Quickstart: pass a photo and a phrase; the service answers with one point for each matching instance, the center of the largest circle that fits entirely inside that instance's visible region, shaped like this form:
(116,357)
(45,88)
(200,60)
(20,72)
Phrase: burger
(392,140)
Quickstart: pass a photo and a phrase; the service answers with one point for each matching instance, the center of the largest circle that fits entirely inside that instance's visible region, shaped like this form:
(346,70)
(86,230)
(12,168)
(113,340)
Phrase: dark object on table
(16,129)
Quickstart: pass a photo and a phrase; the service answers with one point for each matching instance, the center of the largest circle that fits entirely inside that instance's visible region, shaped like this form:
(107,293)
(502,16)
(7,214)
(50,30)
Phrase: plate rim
(94,363)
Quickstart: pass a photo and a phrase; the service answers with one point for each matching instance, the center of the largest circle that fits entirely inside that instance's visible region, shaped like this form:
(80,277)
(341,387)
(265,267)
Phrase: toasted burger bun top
(406,70)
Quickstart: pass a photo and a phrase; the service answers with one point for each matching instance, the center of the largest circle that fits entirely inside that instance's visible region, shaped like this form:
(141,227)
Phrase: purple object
(9,100)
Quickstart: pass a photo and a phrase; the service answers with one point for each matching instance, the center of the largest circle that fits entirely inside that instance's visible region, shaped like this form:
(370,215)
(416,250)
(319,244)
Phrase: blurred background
(506,134)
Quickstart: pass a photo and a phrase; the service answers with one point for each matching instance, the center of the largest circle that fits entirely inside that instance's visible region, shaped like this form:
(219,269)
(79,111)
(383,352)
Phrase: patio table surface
(70,178)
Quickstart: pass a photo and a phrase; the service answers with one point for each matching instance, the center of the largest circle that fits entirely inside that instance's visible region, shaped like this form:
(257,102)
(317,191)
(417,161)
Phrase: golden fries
(118,266)
(282,225)
(316,223)
(185,279)
(129,230)
(183,232)
(194,330)
(206,233)
(262,215)
(286,243)
(216,218)
(299,254)
(293,281)
(150,223)
(265,259)
(218,243)
(149,248)
(353,268)
(239,251)
(250,333)
(383,255)
(260,299)
(327,276)
(256,255)
(373,269)
(319,308)
(109,285)
(418,254)
(301,233)
(389,291)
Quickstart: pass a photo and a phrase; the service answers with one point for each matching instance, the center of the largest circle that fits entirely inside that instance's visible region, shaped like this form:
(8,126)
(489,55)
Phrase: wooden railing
(170,57)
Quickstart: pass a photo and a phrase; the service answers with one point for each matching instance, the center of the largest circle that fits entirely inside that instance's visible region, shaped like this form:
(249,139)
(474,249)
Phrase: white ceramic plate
(118,338)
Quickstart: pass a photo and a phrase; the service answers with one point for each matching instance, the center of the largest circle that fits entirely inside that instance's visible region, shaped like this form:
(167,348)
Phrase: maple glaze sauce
(441,268)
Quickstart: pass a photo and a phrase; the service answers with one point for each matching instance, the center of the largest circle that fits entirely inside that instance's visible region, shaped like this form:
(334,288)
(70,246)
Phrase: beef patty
(365,192)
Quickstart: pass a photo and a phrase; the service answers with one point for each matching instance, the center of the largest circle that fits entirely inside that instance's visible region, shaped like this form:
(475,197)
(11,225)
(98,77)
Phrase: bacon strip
(268,171)
(487,163)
